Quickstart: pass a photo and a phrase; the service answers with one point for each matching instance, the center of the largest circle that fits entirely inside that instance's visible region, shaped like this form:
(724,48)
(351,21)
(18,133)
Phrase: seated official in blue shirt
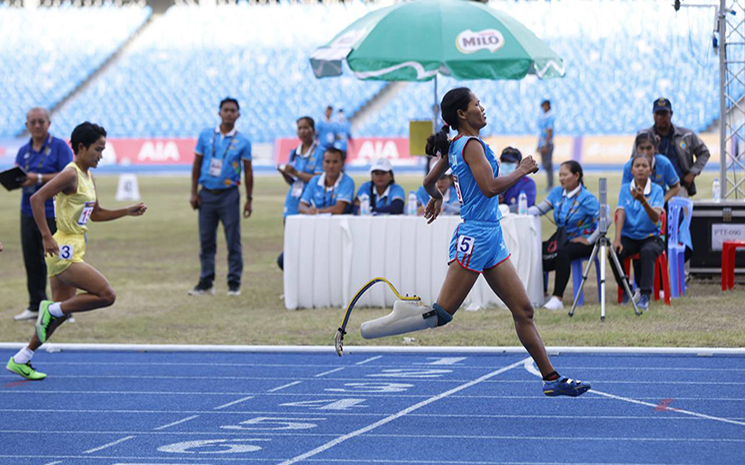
(331,192)
(382,194)
(446,186)
(663,171)
(220,156)
(640,205)
(509,161)
(305,162)
(576,216)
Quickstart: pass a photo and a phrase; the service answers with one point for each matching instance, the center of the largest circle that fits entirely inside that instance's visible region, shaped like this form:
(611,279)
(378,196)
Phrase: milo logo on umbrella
(469,41)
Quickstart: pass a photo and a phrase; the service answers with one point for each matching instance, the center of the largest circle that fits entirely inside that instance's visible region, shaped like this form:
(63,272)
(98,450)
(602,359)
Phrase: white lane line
(369,360)
(400,414)
(54,463)
(284,386)
(234,402)
(118,441)
(328,372)
(183,420)
(532,369)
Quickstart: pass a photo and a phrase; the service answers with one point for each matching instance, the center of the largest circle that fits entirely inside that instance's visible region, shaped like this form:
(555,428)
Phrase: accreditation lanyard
(571,211)
(44,151)
(227,146)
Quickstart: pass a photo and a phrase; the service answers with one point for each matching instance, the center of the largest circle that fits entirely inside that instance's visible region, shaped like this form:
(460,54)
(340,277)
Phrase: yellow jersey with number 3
(74,210)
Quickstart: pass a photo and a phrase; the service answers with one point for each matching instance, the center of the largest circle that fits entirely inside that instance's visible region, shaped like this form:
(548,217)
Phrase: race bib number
(65,252)
(85,215)
(457,189)
(215,167)
(465,245)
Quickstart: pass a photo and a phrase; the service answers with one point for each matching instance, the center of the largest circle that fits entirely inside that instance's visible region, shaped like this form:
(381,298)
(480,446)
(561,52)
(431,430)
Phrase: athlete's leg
(98,292)
(455,289)
(60,293)
(505,282)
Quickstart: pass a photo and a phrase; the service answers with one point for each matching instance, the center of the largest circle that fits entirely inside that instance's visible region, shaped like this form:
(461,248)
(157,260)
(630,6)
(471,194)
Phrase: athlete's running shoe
(565,387)
(26,371)
(44,320)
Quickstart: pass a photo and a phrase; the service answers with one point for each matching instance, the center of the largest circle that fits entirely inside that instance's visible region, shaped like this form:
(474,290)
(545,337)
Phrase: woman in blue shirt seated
(305,162)
(663,172)
(508,162)
(331,192)
(382,193)
(446,186)
(576,217)
(640,205)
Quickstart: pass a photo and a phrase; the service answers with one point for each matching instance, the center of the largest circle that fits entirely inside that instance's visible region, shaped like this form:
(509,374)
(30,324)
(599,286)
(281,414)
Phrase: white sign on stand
(127,188)
(726,232)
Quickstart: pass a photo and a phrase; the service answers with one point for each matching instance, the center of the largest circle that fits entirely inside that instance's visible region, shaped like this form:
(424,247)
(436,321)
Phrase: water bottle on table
(364,206)
(411,204)
(522,203)
(716,192)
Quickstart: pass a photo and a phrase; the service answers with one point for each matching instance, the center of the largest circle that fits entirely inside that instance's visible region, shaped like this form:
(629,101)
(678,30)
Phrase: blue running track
(211,408)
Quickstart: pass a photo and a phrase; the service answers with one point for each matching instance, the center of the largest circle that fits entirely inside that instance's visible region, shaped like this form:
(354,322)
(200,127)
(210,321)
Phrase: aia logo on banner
(159,152)
(469,41)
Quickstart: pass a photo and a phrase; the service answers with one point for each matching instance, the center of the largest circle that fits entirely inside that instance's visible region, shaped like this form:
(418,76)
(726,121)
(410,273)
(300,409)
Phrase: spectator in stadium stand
(576,218)
(446,186)
(305,162)
(546,142)
(509,160)
(685,150)
(343,132)
(326,130)
(43,157)
(640,205)
(382,194)
(219,156)
(330,192)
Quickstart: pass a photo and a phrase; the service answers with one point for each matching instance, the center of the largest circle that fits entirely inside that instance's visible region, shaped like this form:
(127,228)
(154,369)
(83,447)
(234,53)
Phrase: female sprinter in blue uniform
(477,245)
(330,192)
(385,196)
(663,171)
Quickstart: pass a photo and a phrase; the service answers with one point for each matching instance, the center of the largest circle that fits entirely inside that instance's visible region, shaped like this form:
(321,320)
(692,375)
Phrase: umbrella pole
(435,108)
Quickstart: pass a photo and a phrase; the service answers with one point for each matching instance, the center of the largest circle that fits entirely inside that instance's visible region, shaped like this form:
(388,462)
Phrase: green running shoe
(44,320)
(26,371)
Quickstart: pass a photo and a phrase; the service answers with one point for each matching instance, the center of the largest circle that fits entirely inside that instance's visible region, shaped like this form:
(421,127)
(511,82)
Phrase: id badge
(297,189)
(215,167)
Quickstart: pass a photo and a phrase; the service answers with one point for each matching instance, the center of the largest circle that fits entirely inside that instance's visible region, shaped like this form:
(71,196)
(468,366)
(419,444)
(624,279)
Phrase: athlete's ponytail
(438,144)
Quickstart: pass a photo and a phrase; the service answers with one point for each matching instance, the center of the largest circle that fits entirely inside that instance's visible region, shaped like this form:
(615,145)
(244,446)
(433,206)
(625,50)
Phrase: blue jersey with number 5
(475,206)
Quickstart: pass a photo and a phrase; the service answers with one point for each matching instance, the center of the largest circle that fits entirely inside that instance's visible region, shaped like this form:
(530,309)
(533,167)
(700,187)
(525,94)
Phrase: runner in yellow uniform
(76,205)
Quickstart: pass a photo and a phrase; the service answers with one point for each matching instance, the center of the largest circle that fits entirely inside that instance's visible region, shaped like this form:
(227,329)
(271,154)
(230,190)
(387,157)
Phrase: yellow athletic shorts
(71,250)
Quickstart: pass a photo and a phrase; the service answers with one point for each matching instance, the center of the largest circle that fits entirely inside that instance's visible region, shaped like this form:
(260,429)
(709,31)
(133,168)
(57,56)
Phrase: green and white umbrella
(413,41)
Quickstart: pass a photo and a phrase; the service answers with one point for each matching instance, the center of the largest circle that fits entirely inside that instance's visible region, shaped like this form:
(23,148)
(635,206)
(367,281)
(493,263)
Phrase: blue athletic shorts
(478,246)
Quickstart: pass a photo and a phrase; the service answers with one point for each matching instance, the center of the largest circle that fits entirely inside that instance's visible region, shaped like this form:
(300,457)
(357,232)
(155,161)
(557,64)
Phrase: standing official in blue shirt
(546,142)
(43,157)
(219,157)
(326,130)
(640,205)
(343,132)
(305,162)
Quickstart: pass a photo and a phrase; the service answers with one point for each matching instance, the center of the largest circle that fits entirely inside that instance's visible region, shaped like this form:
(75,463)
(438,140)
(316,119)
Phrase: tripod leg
(601,291)
(584,278)
(625,281)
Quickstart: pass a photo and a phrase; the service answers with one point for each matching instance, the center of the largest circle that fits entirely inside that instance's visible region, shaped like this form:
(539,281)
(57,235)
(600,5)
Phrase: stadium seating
(619,56)
(171,79)
(46,53)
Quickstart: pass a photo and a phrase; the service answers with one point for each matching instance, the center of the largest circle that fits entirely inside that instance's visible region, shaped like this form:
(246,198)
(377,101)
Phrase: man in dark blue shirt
(43,157)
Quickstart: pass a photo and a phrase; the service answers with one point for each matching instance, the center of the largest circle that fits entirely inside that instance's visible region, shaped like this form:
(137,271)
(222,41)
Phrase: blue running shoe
(643,303)
(565,387)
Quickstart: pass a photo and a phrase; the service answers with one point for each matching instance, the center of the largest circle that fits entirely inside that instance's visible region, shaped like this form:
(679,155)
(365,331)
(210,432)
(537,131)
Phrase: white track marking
(234,402)
(369,360)
(328,372)
(284,386)
(118,441)
(532,369)
(54,463)
(400,414)
(183,420)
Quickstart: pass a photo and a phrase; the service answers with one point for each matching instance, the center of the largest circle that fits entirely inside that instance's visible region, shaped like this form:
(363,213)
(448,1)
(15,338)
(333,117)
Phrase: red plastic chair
(662,271)
(728,263)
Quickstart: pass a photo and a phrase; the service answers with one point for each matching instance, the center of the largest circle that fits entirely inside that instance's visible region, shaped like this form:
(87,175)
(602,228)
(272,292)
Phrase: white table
(327,259)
